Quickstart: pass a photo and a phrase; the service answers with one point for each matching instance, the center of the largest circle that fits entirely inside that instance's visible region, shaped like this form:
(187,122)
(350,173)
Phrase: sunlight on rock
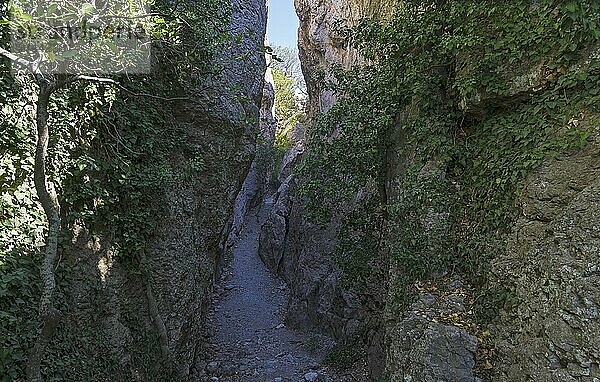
(105,264)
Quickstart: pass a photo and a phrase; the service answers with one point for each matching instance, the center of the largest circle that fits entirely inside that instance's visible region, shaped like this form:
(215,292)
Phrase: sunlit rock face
(320,44)
(125,318)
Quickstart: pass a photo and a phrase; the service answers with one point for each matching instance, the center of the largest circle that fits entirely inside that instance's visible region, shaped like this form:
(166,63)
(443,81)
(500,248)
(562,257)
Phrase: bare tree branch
(13,57)
(117,84)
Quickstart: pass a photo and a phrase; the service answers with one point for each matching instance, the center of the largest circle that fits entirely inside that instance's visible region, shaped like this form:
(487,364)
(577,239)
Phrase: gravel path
(246,334)
(249,340)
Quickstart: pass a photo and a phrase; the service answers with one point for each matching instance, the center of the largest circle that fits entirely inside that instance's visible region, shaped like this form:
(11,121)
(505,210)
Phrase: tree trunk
(49,315)
(154,312)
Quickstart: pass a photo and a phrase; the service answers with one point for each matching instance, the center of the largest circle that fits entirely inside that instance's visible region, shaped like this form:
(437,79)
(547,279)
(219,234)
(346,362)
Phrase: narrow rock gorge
(431,213)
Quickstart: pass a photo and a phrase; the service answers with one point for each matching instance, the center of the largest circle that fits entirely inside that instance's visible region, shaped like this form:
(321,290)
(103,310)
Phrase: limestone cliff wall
(319,42)
(550,260)
(549,263)
(134,322)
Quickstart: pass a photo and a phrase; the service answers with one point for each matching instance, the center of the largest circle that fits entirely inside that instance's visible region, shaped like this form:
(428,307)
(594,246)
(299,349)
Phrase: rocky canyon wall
(546,265)
(321,45)
(147,325)
(551,262)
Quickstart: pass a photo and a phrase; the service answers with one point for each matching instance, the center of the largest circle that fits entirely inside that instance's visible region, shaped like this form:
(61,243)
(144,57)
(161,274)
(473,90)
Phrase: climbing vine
(457,103)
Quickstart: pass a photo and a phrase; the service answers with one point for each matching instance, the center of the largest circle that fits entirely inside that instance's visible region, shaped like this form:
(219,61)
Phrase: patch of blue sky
(283,24)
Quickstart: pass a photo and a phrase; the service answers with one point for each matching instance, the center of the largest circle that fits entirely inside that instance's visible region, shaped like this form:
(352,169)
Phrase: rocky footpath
(247,333)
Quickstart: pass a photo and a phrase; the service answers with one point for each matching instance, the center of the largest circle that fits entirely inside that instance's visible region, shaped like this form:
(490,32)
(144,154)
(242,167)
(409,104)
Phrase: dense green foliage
(288,105)
(110,151)
(287,61)
(285,99)
(287,110)
(424,154)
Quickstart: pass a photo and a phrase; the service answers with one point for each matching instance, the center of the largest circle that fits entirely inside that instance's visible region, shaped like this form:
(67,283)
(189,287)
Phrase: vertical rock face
(549,263)
(163,306)
(552,263)
(421,348)
(264,162)
(254,190)
(297,250)
(320,45)
(420,342)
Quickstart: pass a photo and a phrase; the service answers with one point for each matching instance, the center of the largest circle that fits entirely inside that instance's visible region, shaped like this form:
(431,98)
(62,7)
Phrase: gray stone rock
(295,249)
(420,348)
(228,370)
(187,242)
(426,351)
(290,159)
(212,367)
(551,264)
